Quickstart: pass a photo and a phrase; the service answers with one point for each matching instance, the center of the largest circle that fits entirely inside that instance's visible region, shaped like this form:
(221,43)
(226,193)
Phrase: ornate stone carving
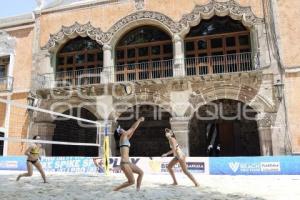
(179,86)
(76,29)
(140,15)
(139,4)
(196,99)
(231,8)
(107,47)
(265,119)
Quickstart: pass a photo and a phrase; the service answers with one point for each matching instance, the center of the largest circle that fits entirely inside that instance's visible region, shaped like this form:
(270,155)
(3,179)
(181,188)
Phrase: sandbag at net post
(62,134)
(106,150)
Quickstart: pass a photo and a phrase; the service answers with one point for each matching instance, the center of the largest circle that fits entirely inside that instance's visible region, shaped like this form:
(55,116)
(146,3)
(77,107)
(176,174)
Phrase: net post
(106,150)
(99,140)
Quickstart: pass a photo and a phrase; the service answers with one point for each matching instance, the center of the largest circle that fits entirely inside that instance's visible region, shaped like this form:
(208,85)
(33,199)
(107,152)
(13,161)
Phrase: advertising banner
(277,165)
(13,163)
(158,165)
(68,164)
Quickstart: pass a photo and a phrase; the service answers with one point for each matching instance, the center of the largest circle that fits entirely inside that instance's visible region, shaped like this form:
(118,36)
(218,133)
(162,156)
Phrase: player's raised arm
(134,127)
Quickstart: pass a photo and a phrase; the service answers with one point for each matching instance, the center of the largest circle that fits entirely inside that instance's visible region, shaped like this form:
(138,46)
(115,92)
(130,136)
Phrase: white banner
(157,165)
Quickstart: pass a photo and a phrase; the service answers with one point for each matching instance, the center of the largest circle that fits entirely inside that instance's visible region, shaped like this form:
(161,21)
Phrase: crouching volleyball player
(33,156)
(126,166)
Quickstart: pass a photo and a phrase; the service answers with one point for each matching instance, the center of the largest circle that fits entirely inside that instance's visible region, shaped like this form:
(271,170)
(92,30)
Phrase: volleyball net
(62,131)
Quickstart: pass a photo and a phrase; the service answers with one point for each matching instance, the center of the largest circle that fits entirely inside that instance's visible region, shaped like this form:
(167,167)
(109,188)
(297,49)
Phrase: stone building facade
(175,62)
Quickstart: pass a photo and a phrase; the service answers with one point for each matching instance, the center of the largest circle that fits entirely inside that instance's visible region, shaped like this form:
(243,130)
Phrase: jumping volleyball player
(33,156)
(127,167)
(179,157)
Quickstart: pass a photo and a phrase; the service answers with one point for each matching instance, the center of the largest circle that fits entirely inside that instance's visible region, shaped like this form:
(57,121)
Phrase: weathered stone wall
(17,44)
(254,89)
(23,58)
(18,125)
(289,31)
(288,28)
(292,85)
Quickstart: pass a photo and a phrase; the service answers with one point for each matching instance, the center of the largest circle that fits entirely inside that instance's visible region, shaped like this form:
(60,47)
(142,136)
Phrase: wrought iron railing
(6,84)
(144,70)
(73,78)
(228,63)
(196,66)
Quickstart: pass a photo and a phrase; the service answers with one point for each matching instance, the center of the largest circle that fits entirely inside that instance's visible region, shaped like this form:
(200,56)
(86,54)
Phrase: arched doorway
(72,131)
(218,45)
(1,144)
(224,128)
(149,139)
(79,62)
(144,53)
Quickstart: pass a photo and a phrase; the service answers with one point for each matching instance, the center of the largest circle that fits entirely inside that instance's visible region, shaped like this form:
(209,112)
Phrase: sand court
(156,187)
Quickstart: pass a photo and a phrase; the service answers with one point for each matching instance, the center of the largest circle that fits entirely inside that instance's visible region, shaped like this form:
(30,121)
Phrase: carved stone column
(180,127)
(107,75)
(178,44)
(46,131)
(264,122)
(42,62)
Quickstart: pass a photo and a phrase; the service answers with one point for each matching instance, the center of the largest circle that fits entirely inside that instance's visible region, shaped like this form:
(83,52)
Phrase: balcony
(144,70)
(6,84)
(229,63)
(73,78)
(197,66)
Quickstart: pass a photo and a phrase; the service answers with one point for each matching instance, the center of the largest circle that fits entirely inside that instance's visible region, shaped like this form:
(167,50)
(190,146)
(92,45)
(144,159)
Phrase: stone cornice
(17,21)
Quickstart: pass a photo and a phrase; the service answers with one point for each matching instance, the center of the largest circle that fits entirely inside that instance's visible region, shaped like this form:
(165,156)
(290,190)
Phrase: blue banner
(277,165)
(13,163)
(68,164)
(51,164)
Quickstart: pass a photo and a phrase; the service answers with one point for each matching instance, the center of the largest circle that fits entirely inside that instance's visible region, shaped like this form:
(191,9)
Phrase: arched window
(144,53)
(80,61)
(218,45)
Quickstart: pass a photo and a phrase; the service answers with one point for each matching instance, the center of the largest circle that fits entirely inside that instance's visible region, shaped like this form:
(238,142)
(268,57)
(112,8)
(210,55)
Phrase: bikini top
(35,150)
(125,143)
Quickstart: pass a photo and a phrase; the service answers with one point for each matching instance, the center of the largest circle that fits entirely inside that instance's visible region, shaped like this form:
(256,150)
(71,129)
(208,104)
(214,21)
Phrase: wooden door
(226,135)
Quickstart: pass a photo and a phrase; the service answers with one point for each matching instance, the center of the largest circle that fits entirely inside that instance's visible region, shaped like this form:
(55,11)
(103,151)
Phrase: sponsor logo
(234,166)
(244,167)
(114,164)
(193,166)
(196,166)
(69,164)
(270,166)
(254,167)
(164,167)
